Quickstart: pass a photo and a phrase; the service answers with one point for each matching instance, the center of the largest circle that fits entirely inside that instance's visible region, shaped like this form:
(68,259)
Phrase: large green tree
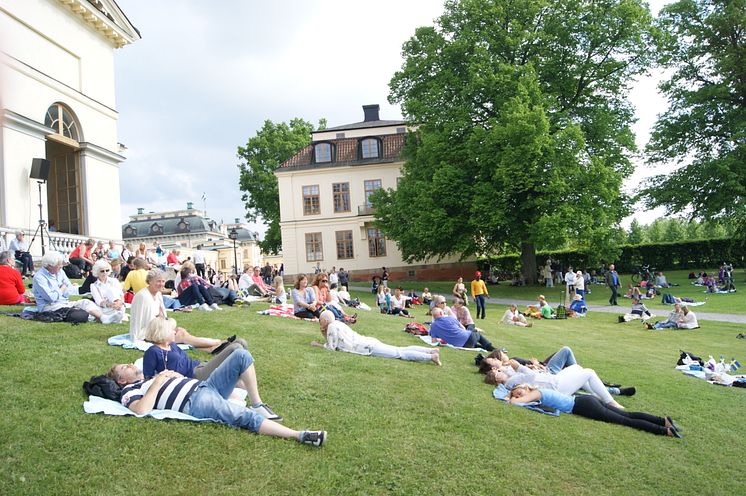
(704,129)
(523,136)
(263,153)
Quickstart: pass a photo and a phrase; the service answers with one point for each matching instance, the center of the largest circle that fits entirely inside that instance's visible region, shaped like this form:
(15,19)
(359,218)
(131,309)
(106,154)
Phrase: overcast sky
(207,74)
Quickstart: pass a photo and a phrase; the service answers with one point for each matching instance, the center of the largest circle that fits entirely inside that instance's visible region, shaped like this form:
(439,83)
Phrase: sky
(206,75)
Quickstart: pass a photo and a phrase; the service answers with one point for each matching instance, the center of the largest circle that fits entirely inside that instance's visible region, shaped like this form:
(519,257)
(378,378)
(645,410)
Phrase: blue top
(578,306)
(554,399)
(308,296)
(157,359)
(449,330)
(614,278)
(47,288)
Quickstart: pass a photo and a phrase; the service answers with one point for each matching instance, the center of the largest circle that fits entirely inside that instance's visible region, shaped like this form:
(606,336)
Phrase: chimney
(371,112)
(140,211)
(189,205)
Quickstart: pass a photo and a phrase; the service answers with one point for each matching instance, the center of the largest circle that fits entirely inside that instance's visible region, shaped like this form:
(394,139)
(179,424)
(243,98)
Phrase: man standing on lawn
(208,399)
(452,332)
(612,281)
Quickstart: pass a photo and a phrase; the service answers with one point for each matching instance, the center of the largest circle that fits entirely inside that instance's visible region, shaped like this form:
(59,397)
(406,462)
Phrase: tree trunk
(528,263)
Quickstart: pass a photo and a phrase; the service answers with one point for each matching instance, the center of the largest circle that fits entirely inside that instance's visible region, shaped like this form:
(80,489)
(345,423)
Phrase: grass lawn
(716,303)
(394,427)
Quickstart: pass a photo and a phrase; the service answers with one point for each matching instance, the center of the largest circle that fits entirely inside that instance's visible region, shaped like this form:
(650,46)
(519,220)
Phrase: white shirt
(570,278)
(199,257)
(579,283)
(245,281)
(340,337)
(16,245)
(689,321)
(333,278)
(106,292)
(145,307)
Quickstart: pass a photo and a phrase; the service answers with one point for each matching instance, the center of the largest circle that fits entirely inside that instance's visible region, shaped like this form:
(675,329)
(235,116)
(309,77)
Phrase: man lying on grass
(207,399)
(340,337)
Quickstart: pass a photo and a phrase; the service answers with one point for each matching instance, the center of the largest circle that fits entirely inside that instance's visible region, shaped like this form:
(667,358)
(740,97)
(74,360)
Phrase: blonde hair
(159,329)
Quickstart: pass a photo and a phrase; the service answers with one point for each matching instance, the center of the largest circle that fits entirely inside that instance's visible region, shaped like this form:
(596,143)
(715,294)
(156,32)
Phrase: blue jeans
(195,294)
(665,325)
(210,399)
(171,303)
(480,305)
(563,358)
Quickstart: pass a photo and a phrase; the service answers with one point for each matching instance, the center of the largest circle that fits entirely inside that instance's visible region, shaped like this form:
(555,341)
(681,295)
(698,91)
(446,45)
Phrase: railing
(365,210)
(64,243)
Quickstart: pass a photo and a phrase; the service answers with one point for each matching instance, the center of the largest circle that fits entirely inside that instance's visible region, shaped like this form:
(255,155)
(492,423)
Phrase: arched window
(156,228)
(370,148)
(322,153)
(62,120)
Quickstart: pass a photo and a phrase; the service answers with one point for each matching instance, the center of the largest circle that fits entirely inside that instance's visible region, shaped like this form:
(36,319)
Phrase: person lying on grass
(170,390)
(567,381)
(553,364)
(339,337)
(165,354)
(452,332)
(591,407)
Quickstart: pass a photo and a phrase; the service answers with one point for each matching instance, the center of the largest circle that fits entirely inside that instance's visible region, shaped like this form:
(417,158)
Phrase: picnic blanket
(285,310)
(439,342)
(501,392)
(126,342)
(96,404)
(712,371)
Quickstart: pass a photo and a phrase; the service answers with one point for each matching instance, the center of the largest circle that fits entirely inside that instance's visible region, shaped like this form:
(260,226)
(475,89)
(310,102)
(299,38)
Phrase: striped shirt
(173,395)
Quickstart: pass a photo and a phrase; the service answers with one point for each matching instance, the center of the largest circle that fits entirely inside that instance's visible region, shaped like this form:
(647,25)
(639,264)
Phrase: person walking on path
(479,293)
(612,281)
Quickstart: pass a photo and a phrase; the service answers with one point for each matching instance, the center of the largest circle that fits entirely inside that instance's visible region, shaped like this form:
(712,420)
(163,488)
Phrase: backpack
(561,312)
(416,328)
(685,354)
(71,315)
(104,387)
(72,271)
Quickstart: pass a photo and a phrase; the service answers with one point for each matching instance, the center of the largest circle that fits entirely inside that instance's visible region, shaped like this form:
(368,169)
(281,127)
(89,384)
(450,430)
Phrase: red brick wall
(429,272)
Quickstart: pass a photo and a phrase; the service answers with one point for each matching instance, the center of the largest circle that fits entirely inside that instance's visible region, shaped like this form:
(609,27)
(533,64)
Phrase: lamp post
(234,236)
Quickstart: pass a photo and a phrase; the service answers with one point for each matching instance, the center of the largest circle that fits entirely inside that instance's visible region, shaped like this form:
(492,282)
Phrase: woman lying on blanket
(567,381)
(148,304)
(339,337)
(165,354)
(591,407)
(561,359)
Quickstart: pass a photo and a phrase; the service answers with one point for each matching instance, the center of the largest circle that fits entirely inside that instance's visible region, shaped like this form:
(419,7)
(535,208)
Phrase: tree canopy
(704,128)
(272,145)
(523,129)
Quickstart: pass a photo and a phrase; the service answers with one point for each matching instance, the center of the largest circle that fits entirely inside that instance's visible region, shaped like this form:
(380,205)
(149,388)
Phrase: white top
(145,307)
(579,283)
(398,302)
(16,245)
(339,337)
(245,281)
(508,316)
(105,293)
(570,278)
(689,321)
(333,278)
(198,257)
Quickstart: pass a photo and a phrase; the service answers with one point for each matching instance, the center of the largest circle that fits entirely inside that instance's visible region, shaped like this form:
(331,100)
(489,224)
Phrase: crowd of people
(171,379)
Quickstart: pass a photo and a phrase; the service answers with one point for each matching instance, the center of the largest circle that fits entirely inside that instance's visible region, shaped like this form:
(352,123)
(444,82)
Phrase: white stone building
(58,103)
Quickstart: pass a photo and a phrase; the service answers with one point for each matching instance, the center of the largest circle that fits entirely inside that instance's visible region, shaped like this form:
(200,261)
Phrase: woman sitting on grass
(340,337)
(12,290)
(591,407)
(148,304)
(305,305)
(513,317)
(398,304)
(547,312)
(462,314)
(107,293)
(324,298)
(427,297)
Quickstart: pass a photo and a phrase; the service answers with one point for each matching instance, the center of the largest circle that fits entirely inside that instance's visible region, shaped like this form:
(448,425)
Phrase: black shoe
(628,391)
(675,433)
(313,438)
(608,385)
(222,345)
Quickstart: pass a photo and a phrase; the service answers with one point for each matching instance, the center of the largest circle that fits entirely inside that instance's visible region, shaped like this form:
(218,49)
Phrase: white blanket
(127,343)
(428,340)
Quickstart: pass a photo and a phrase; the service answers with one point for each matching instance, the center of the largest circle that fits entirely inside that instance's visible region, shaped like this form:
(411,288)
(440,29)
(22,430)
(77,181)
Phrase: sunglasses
(104,270)
(324,280)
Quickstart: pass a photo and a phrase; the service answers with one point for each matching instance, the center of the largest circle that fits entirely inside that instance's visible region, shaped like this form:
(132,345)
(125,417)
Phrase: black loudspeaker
(39,169)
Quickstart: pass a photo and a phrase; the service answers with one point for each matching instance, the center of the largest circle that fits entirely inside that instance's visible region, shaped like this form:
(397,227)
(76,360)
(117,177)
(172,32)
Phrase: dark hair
(484,367)
(333,285)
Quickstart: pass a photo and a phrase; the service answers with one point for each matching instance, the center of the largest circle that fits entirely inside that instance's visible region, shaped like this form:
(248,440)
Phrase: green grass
(716,303)
(395,427)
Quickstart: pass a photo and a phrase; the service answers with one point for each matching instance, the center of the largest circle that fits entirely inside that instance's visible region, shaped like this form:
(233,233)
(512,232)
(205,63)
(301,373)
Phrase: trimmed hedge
(663,256)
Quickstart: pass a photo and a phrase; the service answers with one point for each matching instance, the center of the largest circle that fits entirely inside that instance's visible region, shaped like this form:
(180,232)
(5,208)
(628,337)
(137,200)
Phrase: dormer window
(182,226)
(130,232)
(156,228)
(369,148)
(322,153)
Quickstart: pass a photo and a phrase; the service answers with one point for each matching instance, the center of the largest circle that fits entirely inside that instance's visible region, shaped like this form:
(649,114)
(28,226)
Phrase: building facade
(325,213)
(58,104)
(189,229)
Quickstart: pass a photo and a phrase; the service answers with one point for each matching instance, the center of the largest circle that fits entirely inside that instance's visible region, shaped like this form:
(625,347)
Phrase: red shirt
(78,249)
(11,285)
(172,259)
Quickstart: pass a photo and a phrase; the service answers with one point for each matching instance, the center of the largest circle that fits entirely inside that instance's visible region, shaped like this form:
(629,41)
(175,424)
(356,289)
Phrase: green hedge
(664,256)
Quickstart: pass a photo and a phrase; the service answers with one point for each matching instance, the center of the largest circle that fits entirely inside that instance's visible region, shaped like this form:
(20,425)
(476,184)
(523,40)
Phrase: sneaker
(108,319)
(628,391)
(313,438)
(205,308)
(215,306)
(265,411)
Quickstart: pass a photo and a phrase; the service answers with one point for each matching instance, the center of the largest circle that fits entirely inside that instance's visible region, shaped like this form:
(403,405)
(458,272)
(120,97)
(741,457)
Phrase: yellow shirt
(136,280)
(478,287)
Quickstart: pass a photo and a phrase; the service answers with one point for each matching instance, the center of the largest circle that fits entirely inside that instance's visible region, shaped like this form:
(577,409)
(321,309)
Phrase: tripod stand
(42,227)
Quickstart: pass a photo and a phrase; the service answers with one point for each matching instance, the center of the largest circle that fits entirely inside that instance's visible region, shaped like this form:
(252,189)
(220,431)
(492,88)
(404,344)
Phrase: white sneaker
(215,306)
(107,319)
(205,308)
